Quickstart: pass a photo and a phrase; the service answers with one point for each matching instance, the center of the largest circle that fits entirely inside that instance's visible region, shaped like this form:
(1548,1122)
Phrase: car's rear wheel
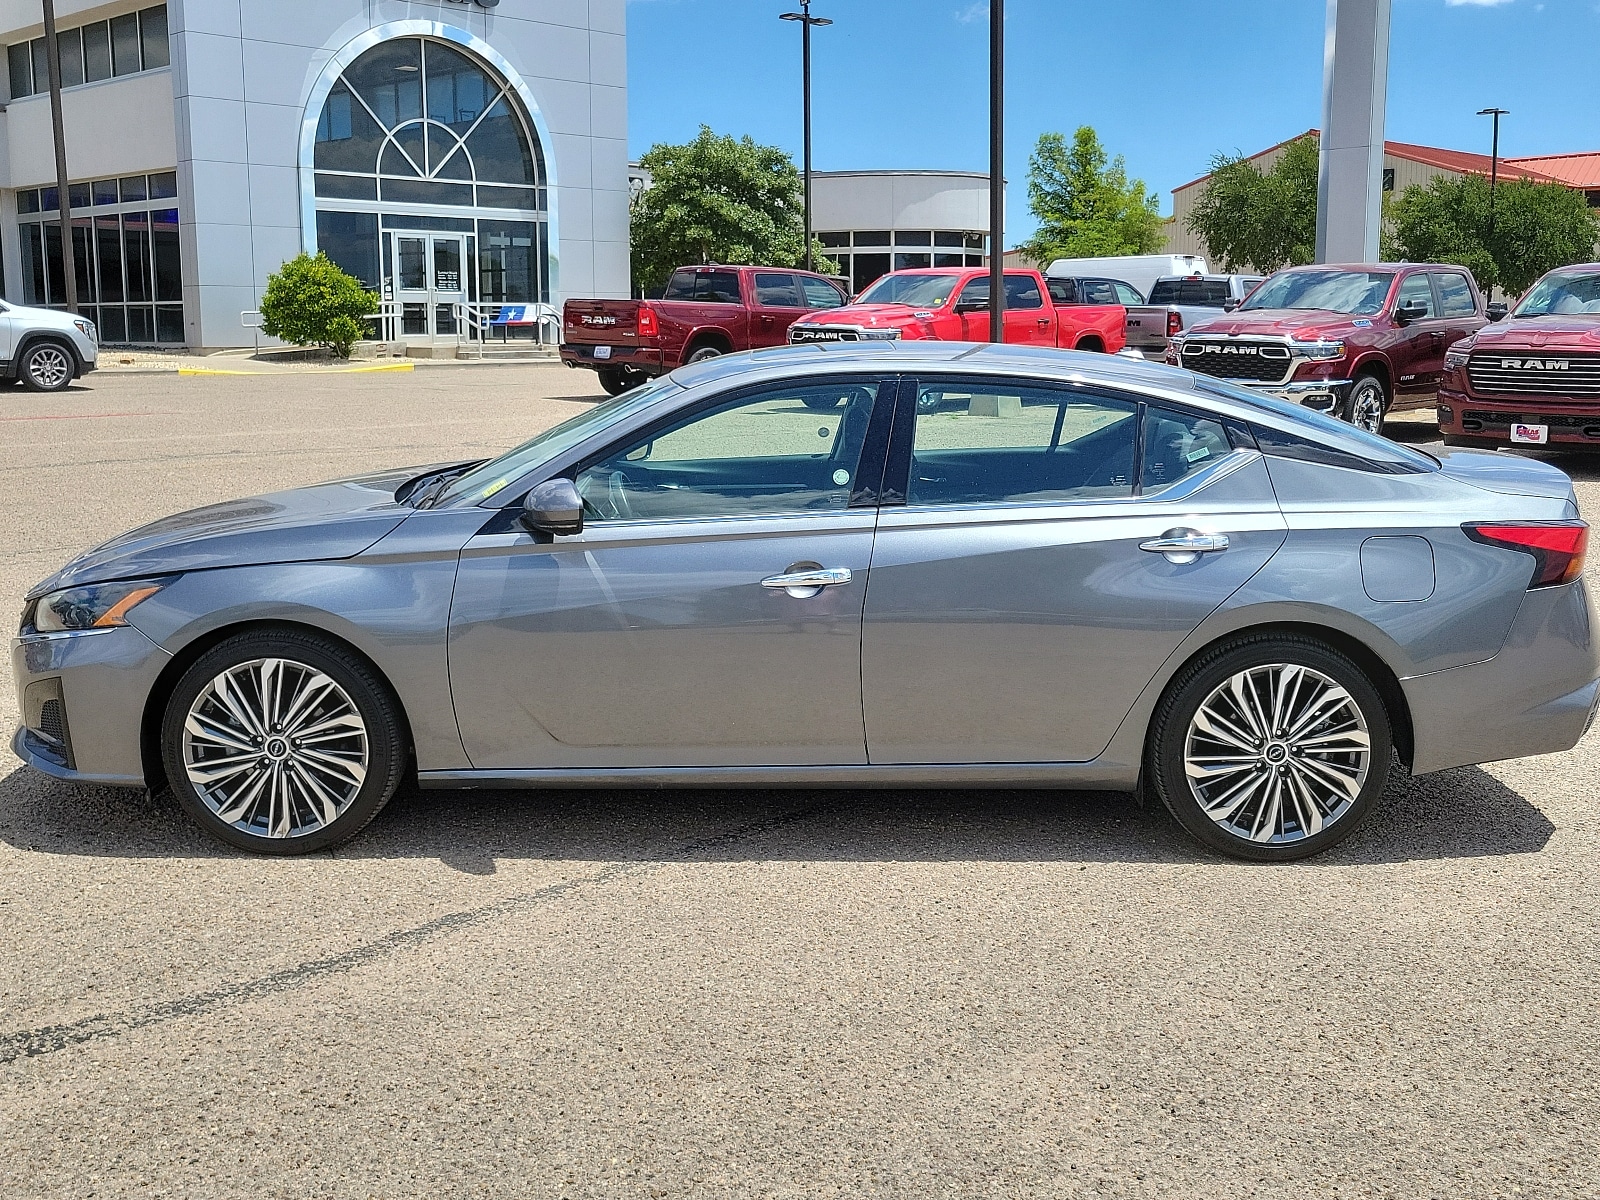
(282,742)
(822,403)
(615,380)
(1272,748)
(1367,405)
(47,367)
(704,353)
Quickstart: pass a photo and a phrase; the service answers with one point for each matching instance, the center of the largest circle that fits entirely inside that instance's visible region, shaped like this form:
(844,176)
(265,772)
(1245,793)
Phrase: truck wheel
(928,402)
(1367,404)
(704,353)
(46,367)
(615,380)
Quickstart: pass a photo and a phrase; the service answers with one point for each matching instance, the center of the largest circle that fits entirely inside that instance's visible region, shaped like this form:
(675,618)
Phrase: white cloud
(1476,3)
(973,12)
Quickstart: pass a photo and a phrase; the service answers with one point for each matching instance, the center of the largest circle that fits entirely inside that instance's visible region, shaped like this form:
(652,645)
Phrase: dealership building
(442,151)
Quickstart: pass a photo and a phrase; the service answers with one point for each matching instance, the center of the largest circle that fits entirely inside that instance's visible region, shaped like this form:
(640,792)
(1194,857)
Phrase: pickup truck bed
(1178,302)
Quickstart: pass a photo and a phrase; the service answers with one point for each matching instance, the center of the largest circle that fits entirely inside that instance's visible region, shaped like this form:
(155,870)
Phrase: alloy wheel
(49,368)
(1366,406)
(275,748)
(1277,753)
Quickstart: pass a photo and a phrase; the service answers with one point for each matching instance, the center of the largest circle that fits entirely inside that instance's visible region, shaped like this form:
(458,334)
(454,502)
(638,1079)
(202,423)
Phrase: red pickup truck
(1353,341)
(705,311)
(1533,380)
(951,304)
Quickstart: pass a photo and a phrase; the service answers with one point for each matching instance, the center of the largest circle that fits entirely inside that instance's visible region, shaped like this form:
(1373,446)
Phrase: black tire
(1367,404)
(47,366)
(1203,680)
(822,403)
(615,380)
(704,353)
(928,402)
(386,743)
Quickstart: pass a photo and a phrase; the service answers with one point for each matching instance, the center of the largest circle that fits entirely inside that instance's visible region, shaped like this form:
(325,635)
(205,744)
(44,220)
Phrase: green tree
(1085,203)
(1248,218)
(1537,226)
(309,301)
(718,199)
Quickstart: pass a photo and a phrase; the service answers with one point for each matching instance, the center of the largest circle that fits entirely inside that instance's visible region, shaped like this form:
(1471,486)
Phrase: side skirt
(1096,776)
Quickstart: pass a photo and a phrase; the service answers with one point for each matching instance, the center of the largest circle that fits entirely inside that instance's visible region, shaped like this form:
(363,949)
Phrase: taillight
(1174,322)
(647,322)
(1558,547)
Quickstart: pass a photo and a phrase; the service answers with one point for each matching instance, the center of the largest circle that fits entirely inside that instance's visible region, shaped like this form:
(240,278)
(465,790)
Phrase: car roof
(1391,266)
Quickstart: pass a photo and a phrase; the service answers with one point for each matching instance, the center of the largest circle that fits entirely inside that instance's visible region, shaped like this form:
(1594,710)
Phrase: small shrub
(311,302)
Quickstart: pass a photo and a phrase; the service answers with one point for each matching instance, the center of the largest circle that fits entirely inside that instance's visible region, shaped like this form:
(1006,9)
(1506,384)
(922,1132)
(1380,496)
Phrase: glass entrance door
(429,277)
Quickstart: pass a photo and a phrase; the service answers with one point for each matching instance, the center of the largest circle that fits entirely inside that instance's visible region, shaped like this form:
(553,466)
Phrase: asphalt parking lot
(717,994)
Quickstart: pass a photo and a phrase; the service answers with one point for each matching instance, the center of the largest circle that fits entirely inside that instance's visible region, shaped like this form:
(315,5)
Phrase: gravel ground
(715,994)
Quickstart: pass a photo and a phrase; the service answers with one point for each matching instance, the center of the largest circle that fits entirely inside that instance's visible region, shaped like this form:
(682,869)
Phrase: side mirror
(553,507)
(972,304)
(1411,310)
(1229,304)
(1497,311)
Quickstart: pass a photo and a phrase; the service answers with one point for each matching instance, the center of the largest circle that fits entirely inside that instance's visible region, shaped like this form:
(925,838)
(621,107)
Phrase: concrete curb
(326,371)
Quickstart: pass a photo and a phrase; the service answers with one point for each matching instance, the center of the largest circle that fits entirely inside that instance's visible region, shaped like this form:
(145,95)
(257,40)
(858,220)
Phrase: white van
(1140,270)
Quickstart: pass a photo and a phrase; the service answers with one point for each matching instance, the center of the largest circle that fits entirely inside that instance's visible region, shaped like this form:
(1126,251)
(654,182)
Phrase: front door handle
(804,584)
(1185,545)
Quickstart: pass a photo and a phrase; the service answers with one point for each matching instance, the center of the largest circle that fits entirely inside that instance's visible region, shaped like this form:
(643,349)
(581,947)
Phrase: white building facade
(442,151)
(873,222)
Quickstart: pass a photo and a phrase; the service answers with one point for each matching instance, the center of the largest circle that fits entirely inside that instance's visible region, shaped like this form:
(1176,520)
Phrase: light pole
(69,260)
(1494,171)
(997,172)
(806,22)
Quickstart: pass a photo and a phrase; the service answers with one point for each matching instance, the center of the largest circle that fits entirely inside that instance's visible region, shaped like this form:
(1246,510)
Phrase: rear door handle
(804,584)
(1185,545)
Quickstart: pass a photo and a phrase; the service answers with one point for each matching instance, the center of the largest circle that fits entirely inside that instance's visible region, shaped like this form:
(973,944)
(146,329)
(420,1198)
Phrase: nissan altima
(849,566)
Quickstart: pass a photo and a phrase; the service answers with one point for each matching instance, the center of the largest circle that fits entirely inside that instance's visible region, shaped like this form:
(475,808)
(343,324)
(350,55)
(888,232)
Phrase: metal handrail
(474,320)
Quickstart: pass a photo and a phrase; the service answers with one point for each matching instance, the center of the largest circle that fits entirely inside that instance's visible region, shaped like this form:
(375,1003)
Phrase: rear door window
(1099,291)
(1455,295)
(995,441)
(776,291)
(1022,291)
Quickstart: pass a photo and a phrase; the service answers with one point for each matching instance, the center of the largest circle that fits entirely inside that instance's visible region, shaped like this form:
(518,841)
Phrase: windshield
(478,485)
(1562,293)
(920,291)
(1360,293)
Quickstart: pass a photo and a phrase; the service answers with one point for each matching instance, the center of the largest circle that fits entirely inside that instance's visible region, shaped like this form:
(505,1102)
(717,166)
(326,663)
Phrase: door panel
(657,645)
(1025,634)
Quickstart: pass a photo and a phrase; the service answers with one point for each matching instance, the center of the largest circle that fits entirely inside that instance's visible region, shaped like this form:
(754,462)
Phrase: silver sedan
(918,564)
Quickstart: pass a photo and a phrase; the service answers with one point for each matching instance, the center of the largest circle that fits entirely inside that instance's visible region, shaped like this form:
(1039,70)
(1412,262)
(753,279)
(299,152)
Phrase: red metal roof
(1574,170)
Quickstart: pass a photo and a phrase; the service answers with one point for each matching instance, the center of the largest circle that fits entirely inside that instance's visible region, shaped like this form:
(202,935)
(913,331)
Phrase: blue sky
(904,83)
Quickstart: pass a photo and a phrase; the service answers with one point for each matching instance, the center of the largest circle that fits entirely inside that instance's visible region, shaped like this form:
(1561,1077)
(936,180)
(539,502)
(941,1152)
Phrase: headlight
(880,335)
(85,327)
(1319,349)
(94,606)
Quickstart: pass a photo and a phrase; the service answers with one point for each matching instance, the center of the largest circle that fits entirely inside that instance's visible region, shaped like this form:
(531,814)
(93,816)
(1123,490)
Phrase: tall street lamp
(806,22)
(1494,169)
(52,53)
(997,174)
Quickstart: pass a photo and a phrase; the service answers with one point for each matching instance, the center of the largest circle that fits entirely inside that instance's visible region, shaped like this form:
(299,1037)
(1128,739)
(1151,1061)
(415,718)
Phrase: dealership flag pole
(997,174)
(52,52)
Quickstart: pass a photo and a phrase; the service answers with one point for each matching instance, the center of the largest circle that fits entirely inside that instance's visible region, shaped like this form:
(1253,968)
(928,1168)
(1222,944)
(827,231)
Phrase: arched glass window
(415,121)
(430,182)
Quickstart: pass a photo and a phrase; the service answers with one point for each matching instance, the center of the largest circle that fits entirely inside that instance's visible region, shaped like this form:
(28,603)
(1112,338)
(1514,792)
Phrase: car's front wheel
(1367,405)
(47,367)
(1272,748)
(282,742)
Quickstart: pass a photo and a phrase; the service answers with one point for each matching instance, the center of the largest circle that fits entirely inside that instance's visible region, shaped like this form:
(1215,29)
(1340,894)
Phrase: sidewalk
(244,362)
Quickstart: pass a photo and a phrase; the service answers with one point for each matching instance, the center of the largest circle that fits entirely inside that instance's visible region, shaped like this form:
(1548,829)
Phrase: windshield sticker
(1197,455)
(841,477)
(494,487)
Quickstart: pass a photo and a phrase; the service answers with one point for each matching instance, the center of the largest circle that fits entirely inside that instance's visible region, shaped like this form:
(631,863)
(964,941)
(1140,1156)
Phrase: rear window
(705,287)
(1207,293)
(1324,439)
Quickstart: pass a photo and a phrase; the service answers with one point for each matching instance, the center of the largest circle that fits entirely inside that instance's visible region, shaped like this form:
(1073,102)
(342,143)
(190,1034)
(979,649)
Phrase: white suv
(45,349)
